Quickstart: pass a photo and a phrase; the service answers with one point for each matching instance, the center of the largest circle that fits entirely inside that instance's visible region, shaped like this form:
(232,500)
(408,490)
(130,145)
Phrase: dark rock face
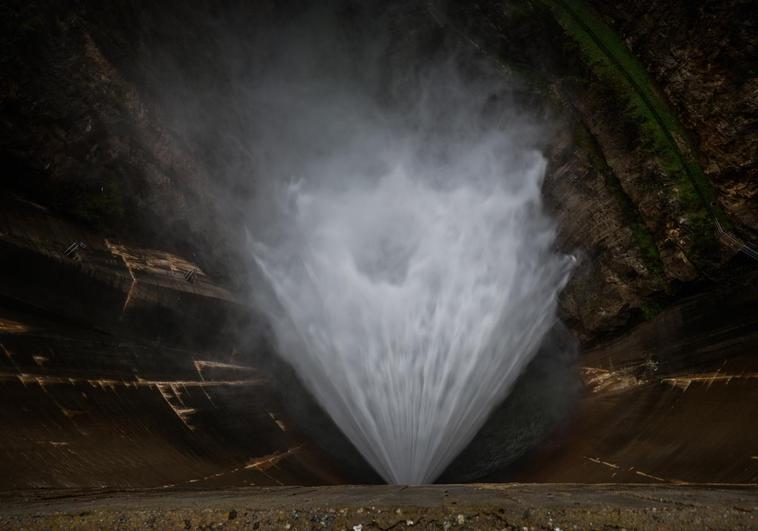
(632,180)
(88,132)
(700,57)
(79,137)
(77,130)
(616,274)
(107,149)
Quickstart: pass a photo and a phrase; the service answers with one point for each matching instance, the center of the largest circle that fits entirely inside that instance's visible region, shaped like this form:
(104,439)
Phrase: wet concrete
(67,271)
(86,410)
(486,506)
(672,401)
(117,372)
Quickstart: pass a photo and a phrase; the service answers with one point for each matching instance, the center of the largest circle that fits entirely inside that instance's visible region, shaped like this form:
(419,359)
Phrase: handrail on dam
(736,243)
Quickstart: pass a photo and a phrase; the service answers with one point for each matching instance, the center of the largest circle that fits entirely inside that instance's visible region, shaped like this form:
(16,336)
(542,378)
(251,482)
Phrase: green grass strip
(612,61)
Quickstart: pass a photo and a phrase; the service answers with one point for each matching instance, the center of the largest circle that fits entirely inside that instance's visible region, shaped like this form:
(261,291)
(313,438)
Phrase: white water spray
(412,304)
(405,242)
(411,265)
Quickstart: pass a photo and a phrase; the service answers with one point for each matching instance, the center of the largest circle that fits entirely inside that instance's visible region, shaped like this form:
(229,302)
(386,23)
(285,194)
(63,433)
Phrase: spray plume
(412,262)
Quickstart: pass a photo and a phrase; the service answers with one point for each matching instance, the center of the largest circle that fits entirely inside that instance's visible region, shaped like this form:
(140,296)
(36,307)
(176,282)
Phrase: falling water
(400,227)
(411,304)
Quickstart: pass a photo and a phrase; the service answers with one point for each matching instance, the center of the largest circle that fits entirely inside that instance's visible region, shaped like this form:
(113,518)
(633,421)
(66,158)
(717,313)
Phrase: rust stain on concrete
(632,469)
(118,250)
(683,382)
(601,462)
(168,392)
(267,461)
(105,383)
(8,326)
(162,264)
(657,478)
(608,381)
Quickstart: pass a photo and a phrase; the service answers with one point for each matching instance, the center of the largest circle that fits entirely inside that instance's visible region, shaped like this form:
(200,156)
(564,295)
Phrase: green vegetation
(642,235)
(608,58)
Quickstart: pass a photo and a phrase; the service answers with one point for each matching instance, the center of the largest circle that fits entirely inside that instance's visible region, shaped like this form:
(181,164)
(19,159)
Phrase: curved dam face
(104,397)
(131,384)
(140,229)
(122,368)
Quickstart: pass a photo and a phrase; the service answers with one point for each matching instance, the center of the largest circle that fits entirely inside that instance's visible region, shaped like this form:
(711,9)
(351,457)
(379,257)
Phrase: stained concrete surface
(118,371)
(133,383)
